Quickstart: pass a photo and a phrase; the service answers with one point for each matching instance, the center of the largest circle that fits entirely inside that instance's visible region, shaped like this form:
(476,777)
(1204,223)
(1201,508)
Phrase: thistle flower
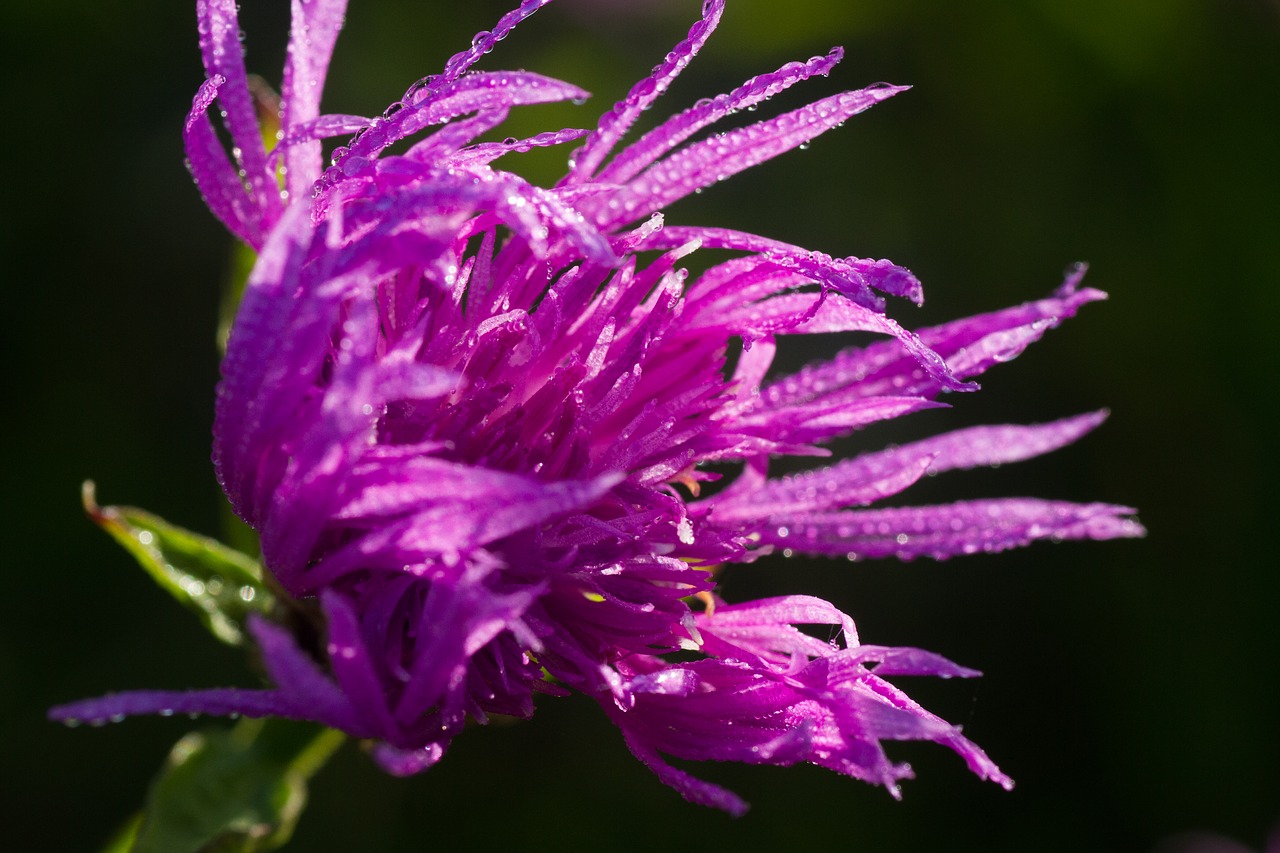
(471,417)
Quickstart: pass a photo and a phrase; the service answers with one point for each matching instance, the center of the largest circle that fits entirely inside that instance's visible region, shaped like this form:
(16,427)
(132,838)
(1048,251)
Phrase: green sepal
(221,585)
(238,790)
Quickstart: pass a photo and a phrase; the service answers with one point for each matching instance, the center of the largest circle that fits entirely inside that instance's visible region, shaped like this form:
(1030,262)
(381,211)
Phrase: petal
(965,527)
(313,31)
(223,55)
(854,482)
(615,123)
(711,160)
(997,445)
(218,181)
(680,127)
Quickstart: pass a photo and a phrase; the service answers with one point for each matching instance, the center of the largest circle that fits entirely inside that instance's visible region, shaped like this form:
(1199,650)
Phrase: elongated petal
(694,790)
(213,173)
(615,123)
(996,445)
(223,56)
(313,31)
(855,482)
(965,527)
(353,667)
(477,92)
(705,163)
(850,276)
(218,702)
(969,347)
(680,127)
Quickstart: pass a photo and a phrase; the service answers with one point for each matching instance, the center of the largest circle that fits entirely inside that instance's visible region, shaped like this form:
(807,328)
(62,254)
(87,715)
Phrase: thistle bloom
(471,417)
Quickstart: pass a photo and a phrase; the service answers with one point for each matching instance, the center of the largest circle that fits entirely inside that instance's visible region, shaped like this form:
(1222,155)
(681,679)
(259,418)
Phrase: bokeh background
(1131,687)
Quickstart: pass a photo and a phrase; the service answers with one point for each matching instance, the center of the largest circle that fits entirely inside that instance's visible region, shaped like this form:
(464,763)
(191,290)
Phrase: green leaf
(234,791)
(221,585)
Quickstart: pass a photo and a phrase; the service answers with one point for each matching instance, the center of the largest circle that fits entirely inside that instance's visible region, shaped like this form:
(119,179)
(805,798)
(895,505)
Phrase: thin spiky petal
(313,32)
(223,55)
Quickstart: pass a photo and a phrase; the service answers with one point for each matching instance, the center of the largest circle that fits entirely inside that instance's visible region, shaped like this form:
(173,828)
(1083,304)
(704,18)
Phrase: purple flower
(471,419)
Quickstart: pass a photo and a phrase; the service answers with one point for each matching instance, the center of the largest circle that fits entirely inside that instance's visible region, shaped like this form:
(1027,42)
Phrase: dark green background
(1130,686)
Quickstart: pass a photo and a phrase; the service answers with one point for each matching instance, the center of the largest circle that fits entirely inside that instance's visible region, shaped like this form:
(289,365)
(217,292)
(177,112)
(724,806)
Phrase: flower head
(472,418)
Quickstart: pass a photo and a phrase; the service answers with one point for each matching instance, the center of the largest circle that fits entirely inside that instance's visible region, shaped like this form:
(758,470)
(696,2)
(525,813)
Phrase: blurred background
(1130,686)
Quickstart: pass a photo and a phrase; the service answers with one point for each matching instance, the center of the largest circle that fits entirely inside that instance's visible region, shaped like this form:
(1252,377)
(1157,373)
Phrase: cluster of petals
(472,418)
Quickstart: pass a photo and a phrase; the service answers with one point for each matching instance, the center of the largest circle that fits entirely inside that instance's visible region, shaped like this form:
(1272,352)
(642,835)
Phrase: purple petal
(217,179)
(311,694)
(313,31)
(483,42)
(965,527)
(266,375)
(830,417)
(705,163)
(996,445)
(454,625)
(854,277)
(320,127)
(968,346)
(615,123)
(854,482)
(907,661)
(353,667)
(692,789)
(407,762)
(477,92)
(223,56)
(680,127)
(220,702)
(487,152)
(447,517)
